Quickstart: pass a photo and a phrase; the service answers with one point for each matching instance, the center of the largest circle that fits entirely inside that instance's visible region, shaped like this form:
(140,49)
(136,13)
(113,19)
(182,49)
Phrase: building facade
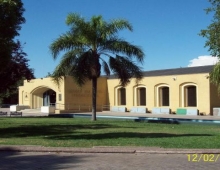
(66,97)
(180,91)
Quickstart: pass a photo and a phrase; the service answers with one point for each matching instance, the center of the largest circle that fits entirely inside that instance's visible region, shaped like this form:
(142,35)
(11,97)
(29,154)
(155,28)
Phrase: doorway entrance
(49,98)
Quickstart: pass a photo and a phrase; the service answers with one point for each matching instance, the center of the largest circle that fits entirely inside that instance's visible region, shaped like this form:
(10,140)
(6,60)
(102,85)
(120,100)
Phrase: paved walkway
(103,161)
(108,158)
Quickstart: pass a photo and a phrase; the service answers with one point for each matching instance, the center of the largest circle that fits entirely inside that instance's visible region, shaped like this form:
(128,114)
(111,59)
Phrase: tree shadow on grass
(48,130)
(128,135)
(70,132)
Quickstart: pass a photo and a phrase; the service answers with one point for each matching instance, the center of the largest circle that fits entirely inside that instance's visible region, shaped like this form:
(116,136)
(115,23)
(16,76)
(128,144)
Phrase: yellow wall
(71,95)
(31,93)
(175,87)
(76,96)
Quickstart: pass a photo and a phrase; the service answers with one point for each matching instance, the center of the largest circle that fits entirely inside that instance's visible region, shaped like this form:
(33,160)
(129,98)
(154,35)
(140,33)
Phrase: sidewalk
(128,115)
(107,149)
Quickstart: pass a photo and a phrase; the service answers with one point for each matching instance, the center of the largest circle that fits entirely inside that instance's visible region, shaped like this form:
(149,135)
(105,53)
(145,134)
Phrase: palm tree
(84,45)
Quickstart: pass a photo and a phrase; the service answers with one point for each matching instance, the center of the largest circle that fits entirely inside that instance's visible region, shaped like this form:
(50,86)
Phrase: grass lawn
(81,132)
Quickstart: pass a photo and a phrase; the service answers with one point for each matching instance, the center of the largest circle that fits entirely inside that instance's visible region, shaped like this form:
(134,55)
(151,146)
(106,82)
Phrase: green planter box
(181,111)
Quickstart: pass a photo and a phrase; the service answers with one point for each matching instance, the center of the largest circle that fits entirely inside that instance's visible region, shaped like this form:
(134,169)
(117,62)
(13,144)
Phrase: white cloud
(203,61)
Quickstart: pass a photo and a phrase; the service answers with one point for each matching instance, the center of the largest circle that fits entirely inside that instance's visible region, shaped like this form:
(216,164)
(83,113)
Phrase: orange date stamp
(203,157)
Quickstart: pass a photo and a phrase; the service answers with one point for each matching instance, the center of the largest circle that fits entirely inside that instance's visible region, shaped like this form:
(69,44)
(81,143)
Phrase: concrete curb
(103,149)
(64,149)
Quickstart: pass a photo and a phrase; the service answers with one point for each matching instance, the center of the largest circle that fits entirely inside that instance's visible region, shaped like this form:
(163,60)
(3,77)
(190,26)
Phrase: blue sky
(167,30)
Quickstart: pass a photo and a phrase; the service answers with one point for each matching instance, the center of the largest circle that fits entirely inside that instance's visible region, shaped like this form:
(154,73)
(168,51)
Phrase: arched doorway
(190,96)
(140,95)
(162,95)
(122,96)
(42,96)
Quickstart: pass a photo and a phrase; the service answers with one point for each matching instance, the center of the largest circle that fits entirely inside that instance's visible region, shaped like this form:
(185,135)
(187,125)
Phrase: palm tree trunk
(94,94)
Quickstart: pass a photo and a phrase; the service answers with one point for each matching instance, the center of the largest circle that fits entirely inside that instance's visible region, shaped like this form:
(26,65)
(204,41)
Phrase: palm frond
(78,74)
(120,46)
(81,72)
(125,69)
(107,30)
(64,67)
(119,24)
(105,67)
(65,42)
(74,19)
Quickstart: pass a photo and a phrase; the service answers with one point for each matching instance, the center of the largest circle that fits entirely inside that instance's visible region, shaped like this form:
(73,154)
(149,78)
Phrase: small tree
(13,75)
(11,18)
(212,33)
(87,43)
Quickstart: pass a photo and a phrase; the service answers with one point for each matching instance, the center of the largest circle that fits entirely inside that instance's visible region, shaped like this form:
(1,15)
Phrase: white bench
(192,112)
(160,110)
(138,110)
(47,109)
(14,108)
(216,111)
(118,109)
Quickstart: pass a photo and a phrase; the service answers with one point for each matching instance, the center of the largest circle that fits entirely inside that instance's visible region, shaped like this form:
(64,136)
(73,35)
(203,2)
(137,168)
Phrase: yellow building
(180,91)
(66,97)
